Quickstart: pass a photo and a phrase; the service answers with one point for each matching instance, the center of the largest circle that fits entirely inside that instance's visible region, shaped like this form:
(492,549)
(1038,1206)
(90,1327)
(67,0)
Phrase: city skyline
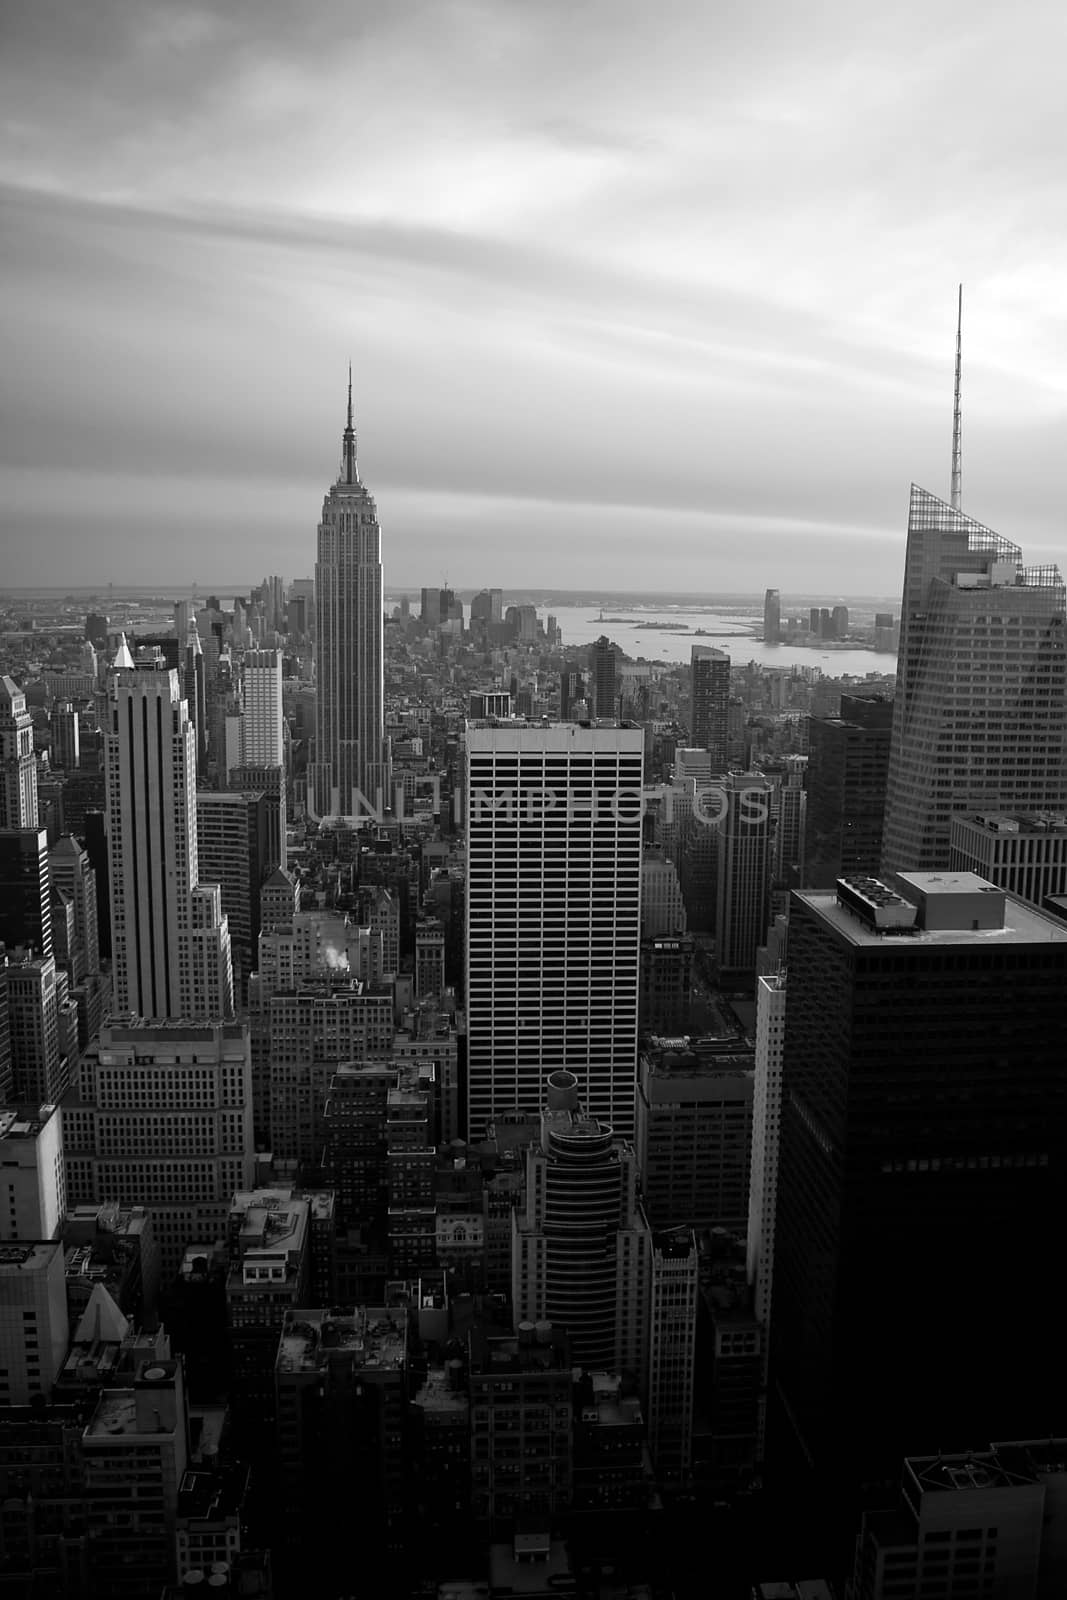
(613,199)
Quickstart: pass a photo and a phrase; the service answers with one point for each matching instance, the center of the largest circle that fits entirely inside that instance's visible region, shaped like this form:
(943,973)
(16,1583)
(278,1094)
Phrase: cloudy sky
(645,295)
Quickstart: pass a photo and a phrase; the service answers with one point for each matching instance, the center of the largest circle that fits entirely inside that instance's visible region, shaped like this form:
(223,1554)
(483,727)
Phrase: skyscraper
(18,765)
(170,941)
(25,890)
(603,659)
(743,879)
(553,914)
(848,769)
(262,742)
(710,692)
(924,1129)
(772,617)
(980,716)
(581,1245)
(350,728)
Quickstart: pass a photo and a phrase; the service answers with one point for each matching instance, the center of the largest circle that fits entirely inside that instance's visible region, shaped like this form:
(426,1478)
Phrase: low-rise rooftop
(372,1338)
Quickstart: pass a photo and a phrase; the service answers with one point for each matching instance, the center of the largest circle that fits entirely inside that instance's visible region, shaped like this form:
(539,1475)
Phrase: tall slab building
(553,914)
(980,715)
(170,941)
(350,749)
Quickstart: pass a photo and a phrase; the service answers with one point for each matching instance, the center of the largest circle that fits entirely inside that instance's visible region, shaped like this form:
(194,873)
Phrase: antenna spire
(349,470)
(957,457)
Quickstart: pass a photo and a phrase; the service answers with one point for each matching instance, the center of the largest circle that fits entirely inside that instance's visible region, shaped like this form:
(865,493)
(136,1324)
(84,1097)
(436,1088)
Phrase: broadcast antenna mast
(957,458)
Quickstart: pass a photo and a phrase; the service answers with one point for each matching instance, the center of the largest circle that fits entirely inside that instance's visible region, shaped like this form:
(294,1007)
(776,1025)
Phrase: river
(724,631)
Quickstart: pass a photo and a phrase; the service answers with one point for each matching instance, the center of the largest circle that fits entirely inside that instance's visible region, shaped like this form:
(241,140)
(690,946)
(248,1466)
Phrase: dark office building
(25,890)
(603,674)
(923,1160)
(710,699)
(848,764)
(95,839)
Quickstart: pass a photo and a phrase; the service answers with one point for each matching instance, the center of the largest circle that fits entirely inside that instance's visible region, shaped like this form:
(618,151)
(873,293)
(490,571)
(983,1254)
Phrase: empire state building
(349,724)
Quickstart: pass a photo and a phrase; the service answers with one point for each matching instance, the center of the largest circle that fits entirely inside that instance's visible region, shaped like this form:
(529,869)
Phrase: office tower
(232,850)
(923,1129)
(270,782)
(25,891)
(672,1353)
(553,914)
(430,607)
(580,1250)
(33,1185)
(342,1392)
(262,743)
(813,620)
(95,836)
(603,675)
(40,1058)
(772,617)
(1027,855)
(18,765)
(429,961)
(518,1382)
(135,1451)
(980,715)
(839,622)
(970,1522)
(487,606)
(490,703)
(162,1117)
(666,994)
(789,809)
(314,1027)
(170,941)
(33,1319)
(662,906)
(709,677)
(571,693)
(742,903)
(766,1126)
(848,769)
(349,726)
(268,1244)
(65,750)
(694,1132)
(69,869)
(279,901)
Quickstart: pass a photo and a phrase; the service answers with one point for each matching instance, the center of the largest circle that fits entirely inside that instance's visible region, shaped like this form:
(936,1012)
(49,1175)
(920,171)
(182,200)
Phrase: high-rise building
(772,617)
(980,715)
(848,768)
(69,869)
(743,880)
(33,1181)
(603,674)
(25,890)
(65,724)
(350,728)
(553,914)
(709,677)
(924,1128)
(581,1245)
(40,1034)
(34,1326)
(766,1128)
(694,1132)
(522,1421)
(672,1353)
(662,905)
(970,1522)
(162,1116)
(262,741)
(18,765)
(170,941)
(232,849)
(1027,855)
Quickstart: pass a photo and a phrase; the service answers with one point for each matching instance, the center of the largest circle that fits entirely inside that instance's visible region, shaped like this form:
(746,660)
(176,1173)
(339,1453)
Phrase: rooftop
(439,1395)
(372,1338)
(1016,822)
(27,1257)
(1022,923)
